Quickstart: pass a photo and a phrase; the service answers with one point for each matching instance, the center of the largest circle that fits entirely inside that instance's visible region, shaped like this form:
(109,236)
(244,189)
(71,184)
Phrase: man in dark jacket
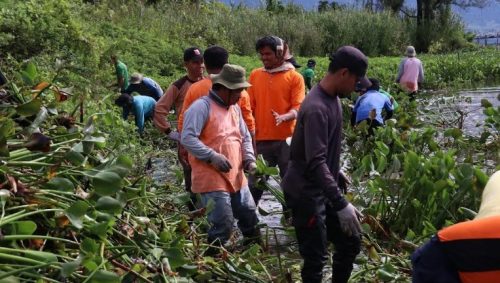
(320,212)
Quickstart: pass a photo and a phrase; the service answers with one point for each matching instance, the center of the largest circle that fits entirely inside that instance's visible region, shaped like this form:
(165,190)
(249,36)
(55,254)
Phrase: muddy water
(462,110)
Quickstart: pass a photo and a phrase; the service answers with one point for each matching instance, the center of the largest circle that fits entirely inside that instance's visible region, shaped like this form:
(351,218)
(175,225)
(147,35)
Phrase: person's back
(143,109)
(122,74)
(410,72)
(144,86)
(371,100)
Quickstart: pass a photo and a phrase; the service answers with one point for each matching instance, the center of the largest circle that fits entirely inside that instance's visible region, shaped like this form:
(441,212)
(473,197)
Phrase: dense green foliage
(78,204)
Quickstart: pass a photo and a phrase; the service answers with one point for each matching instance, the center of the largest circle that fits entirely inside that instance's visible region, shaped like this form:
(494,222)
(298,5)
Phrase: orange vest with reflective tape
(222,134)
(473,247)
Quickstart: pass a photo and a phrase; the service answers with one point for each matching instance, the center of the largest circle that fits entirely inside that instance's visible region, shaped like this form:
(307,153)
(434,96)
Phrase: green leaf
(68,268)
(7,128)
(22,228)
(106,183)
(125,161)
(74,157)
(99,229)
(4,149)
(10,279)
(486,103)
(89,246)
(102,276)
(29,108)
(108,204)
(175,257)
(481,178)
(156,253)
(41,256)
(29,74)
(76,212)
(61,184)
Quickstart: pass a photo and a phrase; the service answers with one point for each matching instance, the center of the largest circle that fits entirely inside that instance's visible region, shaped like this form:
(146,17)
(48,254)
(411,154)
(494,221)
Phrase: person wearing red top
(275,95)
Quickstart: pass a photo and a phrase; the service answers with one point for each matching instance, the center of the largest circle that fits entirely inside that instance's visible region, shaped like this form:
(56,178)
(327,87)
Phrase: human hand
(220,162)
(251,168)
(174,135)
(279,118)
(349,220)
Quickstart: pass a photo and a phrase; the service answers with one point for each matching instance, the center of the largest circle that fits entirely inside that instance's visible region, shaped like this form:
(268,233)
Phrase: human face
(234,95)
(269,58)
(194,68)
(348,82)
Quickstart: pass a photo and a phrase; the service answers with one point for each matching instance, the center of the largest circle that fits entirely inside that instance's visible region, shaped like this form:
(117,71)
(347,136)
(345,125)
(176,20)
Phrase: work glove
(174,135)
(220,162)
(251,168)
(349,220)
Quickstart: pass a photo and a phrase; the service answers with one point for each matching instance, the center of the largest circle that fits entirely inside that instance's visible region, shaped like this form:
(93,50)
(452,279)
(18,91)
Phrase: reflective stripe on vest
(222,134)
(473,247)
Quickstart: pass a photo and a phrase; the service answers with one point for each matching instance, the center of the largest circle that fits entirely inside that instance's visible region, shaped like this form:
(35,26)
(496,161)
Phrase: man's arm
(420,73)
(247,147)
(246,111)
(316,147)
(195,119)
(163,107)
(389,109)
(400,70)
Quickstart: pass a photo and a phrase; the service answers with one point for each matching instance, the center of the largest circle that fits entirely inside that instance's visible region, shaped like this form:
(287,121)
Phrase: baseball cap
(193,54)
(231,76)
(355,61)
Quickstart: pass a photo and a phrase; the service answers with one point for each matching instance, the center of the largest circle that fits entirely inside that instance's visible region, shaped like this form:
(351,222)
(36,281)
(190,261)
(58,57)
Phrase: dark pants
(275,153)
(316,224)
(186,168)
(413,95)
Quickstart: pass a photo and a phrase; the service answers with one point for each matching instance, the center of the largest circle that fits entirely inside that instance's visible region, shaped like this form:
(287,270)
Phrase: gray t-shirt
(315,149)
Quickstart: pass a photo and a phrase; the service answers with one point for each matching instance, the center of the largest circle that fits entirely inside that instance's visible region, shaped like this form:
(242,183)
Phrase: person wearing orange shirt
(215,57)
(275,95)
(174,97)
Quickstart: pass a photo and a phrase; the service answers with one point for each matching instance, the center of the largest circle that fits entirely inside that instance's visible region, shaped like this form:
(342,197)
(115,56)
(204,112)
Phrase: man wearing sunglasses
(320,213)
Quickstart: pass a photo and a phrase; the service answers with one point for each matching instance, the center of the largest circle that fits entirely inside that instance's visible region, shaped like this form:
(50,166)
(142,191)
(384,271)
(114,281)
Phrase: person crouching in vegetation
(174,96)
(142,107)
(467,252)
(121,73)
(220,147)
(410,73)
(144,86)
(370,105)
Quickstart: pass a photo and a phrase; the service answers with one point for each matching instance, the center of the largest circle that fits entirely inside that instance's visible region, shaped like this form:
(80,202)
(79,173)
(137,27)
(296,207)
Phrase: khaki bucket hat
(231,76)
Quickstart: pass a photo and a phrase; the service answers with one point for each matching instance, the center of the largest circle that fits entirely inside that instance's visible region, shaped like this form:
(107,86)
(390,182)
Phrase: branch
(408,15)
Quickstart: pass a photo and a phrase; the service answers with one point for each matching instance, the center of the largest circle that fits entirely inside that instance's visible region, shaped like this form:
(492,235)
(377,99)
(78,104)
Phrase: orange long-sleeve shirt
(174,96)
(201,88)
(281,92)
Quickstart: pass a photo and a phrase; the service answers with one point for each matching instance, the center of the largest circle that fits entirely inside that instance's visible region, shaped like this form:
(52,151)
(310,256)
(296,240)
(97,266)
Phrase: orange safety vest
(222,134)
(473,247)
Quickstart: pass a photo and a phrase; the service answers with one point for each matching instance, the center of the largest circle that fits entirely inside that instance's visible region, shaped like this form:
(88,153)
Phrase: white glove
(175,136)
(349,222)
(252,168)
(220,162)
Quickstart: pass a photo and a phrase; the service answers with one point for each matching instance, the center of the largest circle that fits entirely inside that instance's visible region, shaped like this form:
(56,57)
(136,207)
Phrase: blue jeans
(227,206)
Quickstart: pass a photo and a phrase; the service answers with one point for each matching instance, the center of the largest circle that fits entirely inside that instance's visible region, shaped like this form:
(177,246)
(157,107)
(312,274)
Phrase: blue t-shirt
(372,99)
(147,87)
(143,108)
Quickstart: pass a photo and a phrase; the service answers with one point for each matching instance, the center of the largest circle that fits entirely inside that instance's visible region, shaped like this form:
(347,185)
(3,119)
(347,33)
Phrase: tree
(430,11)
